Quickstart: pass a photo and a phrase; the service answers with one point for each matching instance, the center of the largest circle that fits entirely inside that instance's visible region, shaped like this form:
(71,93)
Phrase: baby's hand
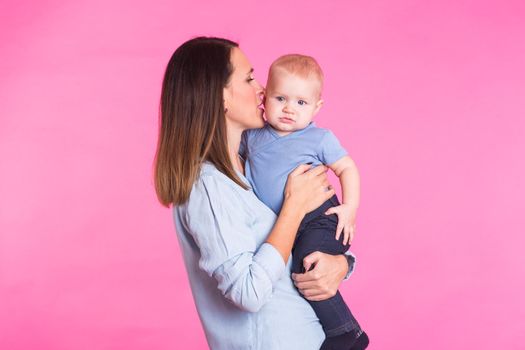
(345,221)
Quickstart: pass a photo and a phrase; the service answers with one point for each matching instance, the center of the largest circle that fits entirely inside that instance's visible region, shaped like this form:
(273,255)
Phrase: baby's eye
(280,98)
(302,102)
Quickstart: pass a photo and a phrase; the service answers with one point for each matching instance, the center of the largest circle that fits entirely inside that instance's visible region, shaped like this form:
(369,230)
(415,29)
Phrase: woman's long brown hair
(192,122)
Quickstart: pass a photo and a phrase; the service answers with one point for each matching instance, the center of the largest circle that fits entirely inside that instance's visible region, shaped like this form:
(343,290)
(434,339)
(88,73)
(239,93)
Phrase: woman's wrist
(285,229)
(291,209)
(345,267)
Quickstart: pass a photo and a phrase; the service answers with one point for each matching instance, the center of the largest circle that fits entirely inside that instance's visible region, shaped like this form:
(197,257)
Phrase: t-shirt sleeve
(330,149)
(245,272)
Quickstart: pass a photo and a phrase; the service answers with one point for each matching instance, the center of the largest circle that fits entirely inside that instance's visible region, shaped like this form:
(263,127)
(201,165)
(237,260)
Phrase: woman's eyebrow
(250,72)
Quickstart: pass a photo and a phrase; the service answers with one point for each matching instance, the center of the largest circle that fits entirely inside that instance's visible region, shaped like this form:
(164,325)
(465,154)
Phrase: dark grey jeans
(317,233)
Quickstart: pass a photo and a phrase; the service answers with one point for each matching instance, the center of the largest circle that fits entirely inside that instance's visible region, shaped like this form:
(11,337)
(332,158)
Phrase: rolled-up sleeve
(245,272)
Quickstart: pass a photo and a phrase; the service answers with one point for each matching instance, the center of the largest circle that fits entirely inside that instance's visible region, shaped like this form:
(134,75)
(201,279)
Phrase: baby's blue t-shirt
(269,157)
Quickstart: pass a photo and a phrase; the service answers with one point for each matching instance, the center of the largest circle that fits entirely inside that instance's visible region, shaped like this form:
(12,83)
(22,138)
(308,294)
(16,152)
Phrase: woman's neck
(234,141)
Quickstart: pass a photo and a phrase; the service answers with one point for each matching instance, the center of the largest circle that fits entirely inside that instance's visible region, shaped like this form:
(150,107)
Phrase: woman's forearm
(285,229)
(305,190)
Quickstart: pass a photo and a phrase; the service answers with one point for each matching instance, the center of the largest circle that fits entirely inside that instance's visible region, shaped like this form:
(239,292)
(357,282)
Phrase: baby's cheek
(269,110)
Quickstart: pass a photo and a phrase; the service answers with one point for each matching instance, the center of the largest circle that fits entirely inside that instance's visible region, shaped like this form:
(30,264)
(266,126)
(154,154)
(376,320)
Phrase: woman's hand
(323,281)
(306,189)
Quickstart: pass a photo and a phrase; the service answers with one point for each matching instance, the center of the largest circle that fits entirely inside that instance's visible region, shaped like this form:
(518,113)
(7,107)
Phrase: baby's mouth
(287,120)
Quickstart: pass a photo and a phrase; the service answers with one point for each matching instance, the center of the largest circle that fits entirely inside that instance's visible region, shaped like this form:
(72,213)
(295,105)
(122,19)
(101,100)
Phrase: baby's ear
(318,106)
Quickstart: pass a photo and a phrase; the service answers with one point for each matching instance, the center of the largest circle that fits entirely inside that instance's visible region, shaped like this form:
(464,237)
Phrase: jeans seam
(347,327)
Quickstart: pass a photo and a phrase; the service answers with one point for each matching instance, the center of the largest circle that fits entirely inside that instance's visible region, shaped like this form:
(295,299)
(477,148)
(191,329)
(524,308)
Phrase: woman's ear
(226,98)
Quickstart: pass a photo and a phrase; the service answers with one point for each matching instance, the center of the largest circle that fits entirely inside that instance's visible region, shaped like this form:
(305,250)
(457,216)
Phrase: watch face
(351,264)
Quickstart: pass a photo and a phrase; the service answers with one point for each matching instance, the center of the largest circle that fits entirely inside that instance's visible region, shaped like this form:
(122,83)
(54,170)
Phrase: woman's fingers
(302,277)
(308,187)
(319,297)
(307,265)
(323,281)
(316,294)
(318,170)
(307,285)
(302,168)
(325,182)
(329,193)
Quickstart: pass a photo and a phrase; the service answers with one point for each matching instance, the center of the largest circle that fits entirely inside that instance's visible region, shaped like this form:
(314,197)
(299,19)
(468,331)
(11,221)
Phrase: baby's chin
(283,131)
(278,127)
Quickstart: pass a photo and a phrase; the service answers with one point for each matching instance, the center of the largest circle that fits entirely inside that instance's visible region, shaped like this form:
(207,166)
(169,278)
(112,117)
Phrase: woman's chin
(259,124)
(260,120)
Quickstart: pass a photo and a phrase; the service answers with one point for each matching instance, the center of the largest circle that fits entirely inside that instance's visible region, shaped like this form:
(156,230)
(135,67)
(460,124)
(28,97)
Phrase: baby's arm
(348,174)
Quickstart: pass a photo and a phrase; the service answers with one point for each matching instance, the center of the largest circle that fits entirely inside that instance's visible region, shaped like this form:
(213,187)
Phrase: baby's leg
(317,233)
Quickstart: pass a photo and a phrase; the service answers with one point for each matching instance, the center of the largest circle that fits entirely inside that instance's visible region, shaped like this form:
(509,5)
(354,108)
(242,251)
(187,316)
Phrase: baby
(290,138)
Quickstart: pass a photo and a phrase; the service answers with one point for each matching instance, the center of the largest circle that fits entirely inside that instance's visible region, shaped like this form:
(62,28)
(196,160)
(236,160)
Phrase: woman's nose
(259,91)
(258,87)
(260,96)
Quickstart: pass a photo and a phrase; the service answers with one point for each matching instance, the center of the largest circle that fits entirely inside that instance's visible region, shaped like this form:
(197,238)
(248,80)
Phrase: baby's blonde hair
(300,65)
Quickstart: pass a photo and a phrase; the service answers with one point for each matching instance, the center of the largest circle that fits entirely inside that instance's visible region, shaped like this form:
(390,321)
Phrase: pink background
(428,97)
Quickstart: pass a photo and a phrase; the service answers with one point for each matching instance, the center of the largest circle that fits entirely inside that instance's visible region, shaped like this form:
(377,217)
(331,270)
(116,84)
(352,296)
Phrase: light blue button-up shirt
(242,289)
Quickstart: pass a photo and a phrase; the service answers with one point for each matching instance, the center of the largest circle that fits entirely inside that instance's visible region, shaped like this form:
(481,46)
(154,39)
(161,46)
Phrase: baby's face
(291,101)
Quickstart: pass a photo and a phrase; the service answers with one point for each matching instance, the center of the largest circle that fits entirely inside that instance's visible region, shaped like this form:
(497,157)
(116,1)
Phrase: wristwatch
(350,258)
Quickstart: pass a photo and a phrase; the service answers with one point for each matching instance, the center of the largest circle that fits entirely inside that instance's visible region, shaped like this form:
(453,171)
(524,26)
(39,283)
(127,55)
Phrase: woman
(236,250)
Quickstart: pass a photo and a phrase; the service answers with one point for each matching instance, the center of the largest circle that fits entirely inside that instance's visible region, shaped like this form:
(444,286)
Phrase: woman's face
(243,95)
